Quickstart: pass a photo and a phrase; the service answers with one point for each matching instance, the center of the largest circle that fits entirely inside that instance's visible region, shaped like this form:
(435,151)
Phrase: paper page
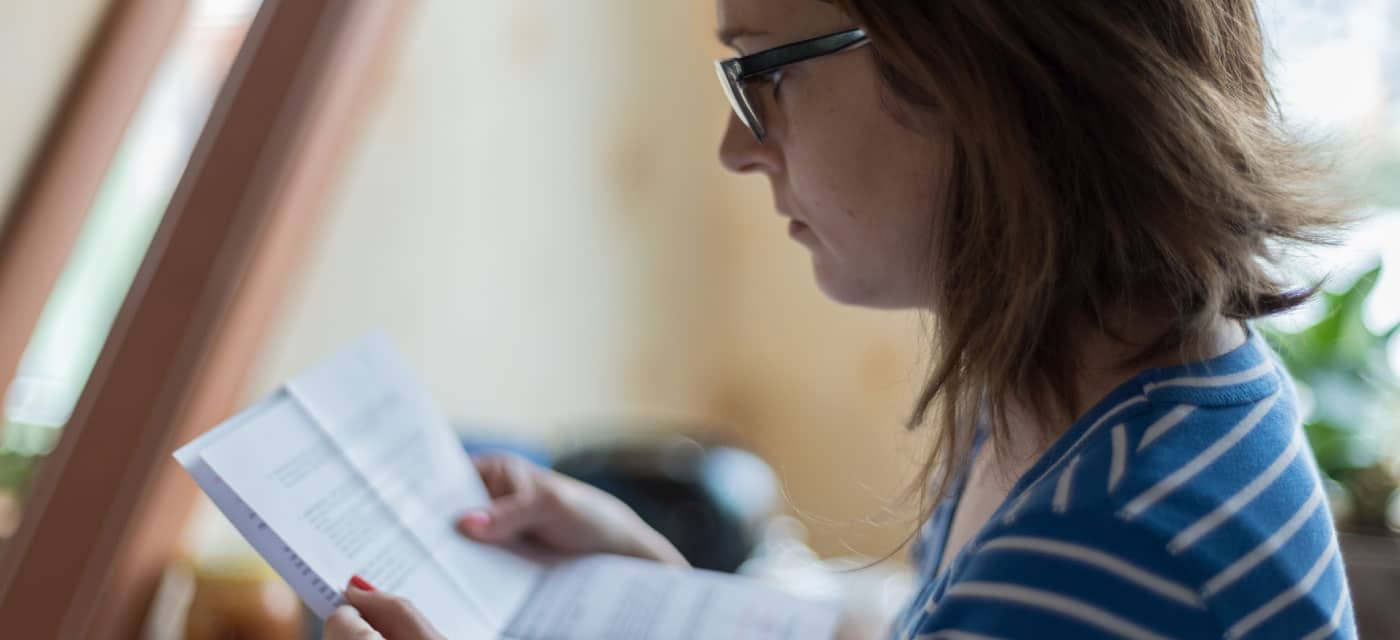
(287,470)
(389,428)
(628,599)
(352,466)
(315,591)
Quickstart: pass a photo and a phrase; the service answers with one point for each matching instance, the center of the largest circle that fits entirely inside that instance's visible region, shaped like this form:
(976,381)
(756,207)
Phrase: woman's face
(859,187)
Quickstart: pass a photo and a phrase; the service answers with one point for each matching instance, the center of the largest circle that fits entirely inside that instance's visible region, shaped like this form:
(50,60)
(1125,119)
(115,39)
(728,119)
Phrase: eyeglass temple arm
(767,61)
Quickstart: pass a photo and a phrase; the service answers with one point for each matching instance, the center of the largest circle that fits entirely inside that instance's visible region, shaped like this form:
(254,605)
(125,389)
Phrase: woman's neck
(1103,357)
(1102,370)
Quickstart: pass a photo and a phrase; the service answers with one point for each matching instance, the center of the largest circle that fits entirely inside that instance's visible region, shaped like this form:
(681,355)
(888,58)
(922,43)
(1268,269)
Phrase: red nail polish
(361,583)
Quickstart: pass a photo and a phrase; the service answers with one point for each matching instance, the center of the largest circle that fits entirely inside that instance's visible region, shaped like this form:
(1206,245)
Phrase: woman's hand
(528,503)
(560,513)
(375,615)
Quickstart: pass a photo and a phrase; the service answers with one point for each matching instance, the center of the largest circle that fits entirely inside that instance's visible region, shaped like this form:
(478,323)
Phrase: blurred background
(531,207)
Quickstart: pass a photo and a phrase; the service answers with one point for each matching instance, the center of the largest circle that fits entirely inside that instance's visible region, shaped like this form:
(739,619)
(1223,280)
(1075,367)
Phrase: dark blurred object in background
(710,501)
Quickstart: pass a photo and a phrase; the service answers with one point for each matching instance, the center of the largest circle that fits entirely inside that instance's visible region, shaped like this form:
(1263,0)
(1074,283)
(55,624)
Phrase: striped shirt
(1186,504)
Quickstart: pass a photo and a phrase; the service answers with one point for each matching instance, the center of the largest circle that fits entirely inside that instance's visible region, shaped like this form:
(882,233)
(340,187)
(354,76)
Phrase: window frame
(108,506)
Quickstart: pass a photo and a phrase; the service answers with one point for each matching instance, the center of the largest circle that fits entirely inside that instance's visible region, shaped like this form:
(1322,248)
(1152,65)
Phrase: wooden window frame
(108,506)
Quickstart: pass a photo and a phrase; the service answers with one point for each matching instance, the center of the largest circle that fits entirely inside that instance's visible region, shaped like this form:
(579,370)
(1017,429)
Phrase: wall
(41,42)
(536,216)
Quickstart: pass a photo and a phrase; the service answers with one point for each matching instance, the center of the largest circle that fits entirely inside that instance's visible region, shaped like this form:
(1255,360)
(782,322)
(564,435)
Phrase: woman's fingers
(503,475)
(506,520)
(489,468)
(345,623)
(392,616)
(558,513)
(517,500)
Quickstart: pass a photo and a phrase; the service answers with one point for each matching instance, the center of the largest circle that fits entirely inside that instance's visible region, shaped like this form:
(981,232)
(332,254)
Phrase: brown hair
(1109,157)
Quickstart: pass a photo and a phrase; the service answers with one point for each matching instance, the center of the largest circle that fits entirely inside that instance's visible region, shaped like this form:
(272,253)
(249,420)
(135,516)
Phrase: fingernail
(361,583)
(476,521)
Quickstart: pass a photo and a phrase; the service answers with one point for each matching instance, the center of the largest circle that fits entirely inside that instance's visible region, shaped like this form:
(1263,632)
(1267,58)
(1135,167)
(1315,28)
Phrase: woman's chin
(842,291)
(856,293)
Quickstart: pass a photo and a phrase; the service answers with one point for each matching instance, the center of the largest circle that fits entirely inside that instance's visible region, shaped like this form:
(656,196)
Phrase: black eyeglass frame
(735,72)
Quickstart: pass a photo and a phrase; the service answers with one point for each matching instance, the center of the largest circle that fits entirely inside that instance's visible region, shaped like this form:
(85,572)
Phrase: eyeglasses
(735,73)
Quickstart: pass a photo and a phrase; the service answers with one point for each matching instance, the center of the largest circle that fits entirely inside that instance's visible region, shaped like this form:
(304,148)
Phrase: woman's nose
(741,152)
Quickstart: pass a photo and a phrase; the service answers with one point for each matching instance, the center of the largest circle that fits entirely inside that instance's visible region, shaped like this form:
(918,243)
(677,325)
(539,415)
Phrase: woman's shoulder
(1211,458)
(1186,553)
(1185,438)
(1209,482)
(1187,504)
(1193,493)
(1216,451)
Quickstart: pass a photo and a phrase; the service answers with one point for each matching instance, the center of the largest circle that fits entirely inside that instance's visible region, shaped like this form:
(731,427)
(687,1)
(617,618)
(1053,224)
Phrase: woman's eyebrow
(730,34)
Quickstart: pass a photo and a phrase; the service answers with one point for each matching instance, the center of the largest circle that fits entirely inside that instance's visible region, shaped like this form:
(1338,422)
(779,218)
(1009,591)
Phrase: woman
(1088,198)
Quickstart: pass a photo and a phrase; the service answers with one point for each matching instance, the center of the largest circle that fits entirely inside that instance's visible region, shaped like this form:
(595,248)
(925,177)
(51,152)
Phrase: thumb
(504,521)
(345,623)
(390,615)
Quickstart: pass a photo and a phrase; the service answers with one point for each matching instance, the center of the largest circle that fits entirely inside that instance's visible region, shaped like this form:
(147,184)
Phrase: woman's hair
(1111,160)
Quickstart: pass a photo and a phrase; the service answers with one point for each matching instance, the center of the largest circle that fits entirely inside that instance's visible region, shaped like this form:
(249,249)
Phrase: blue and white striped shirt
(1186,504)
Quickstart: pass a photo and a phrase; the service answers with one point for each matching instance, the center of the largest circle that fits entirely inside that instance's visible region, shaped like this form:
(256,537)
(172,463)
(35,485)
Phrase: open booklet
(350,469)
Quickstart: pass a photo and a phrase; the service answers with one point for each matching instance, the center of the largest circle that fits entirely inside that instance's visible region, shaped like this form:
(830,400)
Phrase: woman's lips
(795,227)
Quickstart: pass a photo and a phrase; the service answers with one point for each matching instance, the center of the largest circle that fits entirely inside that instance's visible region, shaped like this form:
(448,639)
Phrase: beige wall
(536,216)
(41,42)
(498,218)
